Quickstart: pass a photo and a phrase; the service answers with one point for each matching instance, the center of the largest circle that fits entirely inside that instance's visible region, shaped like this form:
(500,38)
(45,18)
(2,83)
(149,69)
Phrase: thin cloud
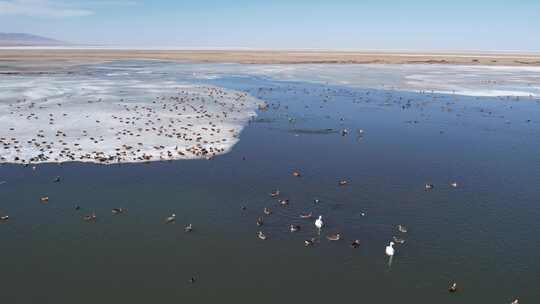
(112,2)
(40,8)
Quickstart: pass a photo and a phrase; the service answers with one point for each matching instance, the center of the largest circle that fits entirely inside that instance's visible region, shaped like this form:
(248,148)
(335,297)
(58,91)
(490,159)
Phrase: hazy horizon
(336,25)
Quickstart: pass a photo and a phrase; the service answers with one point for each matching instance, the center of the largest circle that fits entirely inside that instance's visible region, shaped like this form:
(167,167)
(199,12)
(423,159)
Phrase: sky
(283,24)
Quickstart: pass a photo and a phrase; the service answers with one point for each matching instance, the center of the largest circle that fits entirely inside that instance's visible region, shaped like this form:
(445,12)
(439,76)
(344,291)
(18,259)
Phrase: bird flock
(180,122)
(197,122)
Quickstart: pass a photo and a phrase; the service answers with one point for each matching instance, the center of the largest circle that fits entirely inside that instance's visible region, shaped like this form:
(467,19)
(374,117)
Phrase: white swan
(390,249)
(319,223)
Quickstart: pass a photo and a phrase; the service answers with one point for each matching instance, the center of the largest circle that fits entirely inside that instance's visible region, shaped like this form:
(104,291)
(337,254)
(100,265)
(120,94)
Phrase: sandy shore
(63,57)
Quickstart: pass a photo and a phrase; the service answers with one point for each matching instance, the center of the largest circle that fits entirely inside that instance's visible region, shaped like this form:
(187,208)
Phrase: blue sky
(277,24)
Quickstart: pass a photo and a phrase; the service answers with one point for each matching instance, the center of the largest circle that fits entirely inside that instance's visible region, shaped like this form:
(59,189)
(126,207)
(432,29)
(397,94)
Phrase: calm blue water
(483,234)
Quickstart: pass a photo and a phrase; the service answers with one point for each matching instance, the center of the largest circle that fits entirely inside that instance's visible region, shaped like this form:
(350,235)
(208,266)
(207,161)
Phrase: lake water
(482,234)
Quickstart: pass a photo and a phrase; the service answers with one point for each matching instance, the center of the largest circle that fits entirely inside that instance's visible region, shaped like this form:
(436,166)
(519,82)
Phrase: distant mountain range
(23,39)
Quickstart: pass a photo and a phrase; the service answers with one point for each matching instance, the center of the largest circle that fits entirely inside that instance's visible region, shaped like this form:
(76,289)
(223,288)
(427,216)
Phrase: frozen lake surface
(134,111)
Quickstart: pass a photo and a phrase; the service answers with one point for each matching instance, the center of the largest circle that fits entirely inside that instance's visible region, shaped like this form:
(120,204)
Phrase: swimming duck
(260,221)
(267,211)
(90,217)
(261,235)
(343,182)
(296,174)
(402,228)
(316,201)
(398,240)
(170,219)
(516,301)
(319,223)
(44,199)
(334,237)
(118,210)
(188,228)
(429,187)
(390,249)
(306,215)
(294,228)
(284,202)
(310,242)
(453,287)
(355,244)
(275,193)
(4,218)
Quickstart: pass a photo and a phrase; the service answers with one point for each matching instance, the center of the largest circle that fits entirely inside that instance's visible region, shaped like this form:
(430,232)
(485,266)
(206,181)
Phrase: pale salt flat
(493,81)
(58,118)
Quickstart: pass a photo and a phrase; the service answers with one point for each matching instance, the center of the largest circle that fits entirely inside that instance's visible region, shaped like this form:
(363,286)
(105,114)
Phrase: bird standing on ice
(390,249)
(319,223)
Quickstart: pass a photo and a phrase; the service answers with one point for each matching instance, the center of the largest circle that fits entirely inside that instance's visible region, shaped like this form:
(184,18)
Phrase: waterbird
(319,223)
(398,240)
(296,173)
(191,280)
(402,228)
(294,228)
(261,235)
(429,187)
(309,243)
(90,217)
(334,237)
(355,244)
(454,184)
(267,211)
(171,218)
(284,202)
(274,193)
(56,179)
(390,249)
(44,199)
(77,207)
(4,218)
(516,301)
(316,201)
(453,287)
(260,221)
(343,182)
(118,210)
(306,215)
(188,228)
